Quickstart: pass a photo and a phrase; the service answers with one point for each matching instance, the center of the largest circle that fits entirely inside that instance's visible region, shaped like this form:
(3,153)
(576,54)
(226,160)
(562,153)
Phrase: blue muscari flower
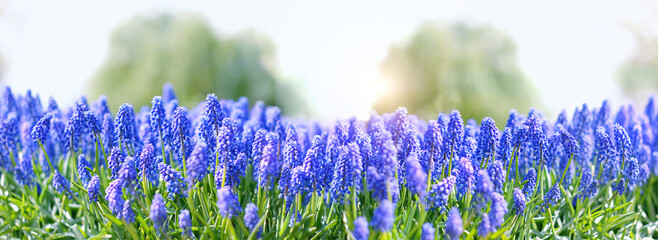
(272,117)
(602,115)
(148,167)
(432,145)
(631,171)
(347,171)
(452,142)
(251,217)
(125,131)
(486,140)
(31,108)
(115,160)
(157,116)
(61,184)
(298,181)
(180,133)
(519,201)
(25,172)
(650,109)
(586,152)
(497,174)
(113,194)
(569,143)
(439,193)
(562,119)
(416,177)
(185,223)
(377,184)
(41,129)
(127,172)
(485,226)
(536,137)
(93,188)
(227,140)
(636,136)
(236,169)
(158,212)
(92,123)
(428,232)
(620,187)
(468,145)
(586,179)
(383,217)
(313,162)
(497,211)
(213,111)
(9,131)
(531,178)
(360,228)
(257,149)
(175,183)
(454,226)
(644,174)
(127,213)
(168,93)
(483,186)
(513,120)
(228,203)
(8,103)
(622,142)
(257,114)
(100,106)
(465,177)
(268,164)
(197,163)
(552,197)
(108,132)
(83,173)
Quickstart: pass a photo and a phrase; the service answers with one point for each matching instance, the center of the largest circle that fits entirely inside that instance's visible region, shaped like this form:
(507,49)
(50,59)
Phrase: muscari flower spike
(83,173)
(519,201)
(531,178)
(228,203)
(416,177)
(360,228)
(454,226)
(93,188)
(485,226)
(185,223)
(176,185)
(61,184)
(114,193)
(383,217)
(158,212)
(251,216)
(439,193)
(427,232)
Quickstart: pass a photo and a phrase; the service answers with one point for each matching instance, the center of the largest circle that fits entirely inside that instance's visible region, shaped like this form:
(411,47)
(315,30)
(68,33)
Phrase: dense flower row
(225,169)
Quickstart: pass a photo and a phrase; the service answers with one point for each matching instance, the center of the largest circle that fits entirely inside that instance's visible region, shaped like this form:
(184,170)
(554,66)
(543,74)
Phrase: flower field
(231,169)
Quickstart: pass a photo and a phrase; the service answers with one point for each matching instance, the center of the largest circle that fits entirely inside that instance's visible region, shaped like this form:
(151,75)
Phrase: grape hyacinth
(158,213)
(519,201)
(382,218)
(439,193)
(454,226)
(227,202)
(83,173)
(428,232)
(61,184)
(360,228)
(93,188)
(175,183)
(251,216)
(185,223)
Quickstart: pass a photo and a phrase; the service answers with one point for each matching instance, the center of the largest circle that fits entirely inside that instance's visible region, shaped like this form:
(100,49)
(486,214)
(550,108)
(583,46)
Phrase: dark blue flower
(439,193)
(93,188)
(465,177)
(360,228)
(174,181)
(347,172)
(529,187)
(620,187)
(197,164)
(483,186)
(125,130)
(416,177)
(41,129)
(157,116)
(497,211)
(497,174)
(428,232)
(185,223)
(452,143)
(486,140)
(519,201)
(148,167)
(552,197)
(158,212)
(251,217)
(61,184)
(128,172)
(114,193)
(168,93)
(631,172)
(454,226)
(180,134)
(83,173)
(383,217)
(228,203)
(432,145)
(127,213)
(485,226)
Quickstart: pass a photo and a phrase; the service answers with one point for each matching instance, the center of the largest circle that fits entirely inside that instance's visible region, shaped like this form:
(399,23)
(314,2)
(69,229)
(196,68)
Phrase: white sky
(571,49)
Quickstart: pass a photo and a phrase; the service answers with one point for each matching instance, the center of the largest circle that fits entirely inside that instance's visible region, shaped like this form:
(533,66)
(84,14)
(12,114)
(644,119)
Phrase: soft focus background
(334,60)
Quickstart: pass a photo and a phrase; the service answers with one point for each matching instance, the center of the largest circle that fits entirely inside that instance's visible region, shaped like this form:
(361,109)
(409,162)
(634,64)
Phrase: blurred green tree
(638,75)
(472,68)
(148,51)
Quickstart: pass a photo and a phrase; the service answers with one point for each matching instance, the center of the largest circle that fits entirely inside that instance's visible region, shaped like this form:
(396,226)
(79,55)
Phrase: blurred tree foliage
(458,66)
(148,51)
(638,75)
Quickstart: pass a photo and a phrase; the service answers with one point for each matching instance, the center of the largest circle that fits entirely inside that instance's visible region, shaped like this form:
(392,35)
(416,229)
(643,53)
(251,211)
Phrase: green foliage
(638,75)
(183,50)
(445,67)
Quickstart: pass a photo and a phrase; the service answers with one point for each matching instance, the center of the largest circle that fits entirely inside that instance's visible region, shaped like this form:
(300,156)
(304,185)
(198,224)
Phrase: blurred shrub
(638,75)
(148,51)
(472,68)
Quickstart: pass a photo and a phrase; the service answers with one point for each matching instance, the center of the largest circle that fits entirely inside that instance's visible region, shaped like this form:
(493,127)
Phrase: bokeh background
(334,60)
